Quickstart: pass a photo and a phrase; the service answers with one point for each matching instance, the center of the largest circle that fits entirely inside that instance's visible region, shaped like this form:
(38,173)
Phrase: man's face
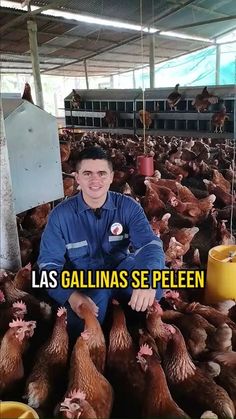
(94,178)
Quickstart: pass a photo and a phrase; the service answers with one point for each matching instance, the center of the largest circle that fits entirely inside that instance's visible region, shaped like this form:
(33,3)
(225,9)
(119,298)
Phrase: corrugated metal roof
(64,44)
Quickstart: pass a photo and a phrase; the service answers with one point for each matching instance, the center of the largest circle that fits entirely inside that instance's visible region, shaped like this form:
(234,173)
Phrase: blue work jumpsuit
(76,238)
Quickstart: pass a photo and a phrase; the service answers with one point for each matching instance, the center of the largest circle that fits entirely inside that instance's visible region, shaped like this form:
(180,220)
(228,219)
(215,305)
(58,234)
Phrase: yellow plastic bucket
(12,410)
(221,274)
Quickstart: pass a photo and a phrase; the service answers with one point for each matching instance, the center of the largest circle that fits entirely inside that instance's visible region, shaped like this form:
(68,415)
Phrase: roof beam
(204,22)
(102,50)
(225,33)
(29,15)
(211,11)
(11,59)
(169,12)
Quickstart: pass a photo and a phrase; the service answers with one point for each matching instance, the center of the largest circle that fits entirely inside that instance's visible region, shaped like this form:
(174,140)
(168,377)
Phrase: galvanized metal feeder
(30,168)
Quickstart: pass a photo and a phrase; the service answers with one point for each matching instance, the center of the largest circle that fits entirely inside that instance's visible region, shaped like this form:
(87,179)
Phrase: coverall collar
(82,206)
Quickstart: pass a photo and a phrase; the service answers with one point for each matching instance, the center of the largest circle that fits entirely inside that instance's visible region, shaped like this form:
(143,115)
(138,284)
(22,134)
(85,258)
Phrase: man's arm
(148,254)
(52,255)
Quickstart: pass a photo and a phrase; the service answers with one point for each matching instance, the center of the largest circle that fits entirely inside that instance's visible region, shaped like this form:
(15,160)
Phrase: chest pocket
(77,250)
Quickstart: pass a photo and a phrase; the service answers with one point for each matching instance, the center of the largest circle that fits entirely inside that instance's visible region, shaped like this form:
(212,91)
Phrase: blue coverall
(76,238)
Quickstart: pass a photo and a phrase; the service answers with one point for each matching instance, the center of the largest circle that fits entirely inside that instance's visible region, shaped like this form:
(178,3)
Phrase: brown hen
(96,342)
(84,376)
(158,402)
(11,351)
(190,383)
(50,364)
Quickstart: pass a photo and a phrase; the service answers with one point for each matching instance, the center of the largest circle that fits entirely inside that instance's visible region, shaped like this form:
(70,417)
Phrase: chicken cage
(34,153)
(90,110)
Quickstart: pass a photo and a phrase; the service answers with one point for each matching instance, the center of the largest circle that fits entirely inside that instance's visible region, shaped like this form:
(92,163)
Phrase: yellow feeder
(12,410)
(221,274)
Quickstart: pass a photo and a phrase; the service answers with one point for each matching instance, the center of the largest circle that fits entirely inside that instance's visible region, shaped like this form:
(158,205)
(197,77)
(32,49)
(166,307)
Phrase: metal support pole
(135,121)
(152,60)
(217,71)
(86,74)
(32,31)
(112,82)
(134,81)
(9,243)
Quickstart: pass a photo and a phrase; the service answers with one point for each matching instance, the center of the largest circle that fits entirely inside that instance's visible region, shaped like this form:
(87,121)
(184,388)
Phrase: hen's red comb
(20,305)
(61,311)
(17,323)
(145,350)
(77,394)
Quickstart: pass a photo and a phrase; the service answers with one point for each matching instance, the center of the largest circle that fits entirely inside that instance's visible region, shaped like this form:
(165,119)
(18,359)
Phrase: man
(93,230)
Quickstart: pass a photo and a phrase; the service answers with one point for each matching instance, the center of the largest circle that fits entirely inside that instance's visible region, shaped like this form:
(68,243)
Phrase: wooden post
(32,31)
(9,243)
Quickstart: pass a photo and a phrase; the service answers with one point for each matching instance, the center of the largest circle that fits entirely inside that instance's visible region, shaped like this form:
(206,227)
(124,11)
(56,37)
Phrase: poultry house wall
(34,154)
(127,103)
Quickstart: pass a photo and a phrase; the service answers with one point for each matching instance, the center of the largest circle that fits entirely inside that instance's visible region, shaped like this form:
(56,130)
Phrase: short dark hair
(94,153)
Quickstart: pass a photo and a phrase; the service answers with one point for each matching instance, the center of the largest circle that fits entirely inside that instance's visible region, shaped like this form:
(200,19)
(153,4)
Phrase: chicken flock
(176,360)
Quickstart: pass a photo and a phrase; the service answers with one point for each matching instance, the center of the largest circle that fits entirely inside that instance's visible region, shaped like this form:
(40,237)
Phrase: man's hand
(142,299)
(77,298)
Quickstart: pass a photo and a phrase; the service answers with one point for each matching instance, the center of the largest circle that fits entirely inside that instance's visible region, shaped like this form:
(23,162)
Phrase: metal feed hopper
(34,154)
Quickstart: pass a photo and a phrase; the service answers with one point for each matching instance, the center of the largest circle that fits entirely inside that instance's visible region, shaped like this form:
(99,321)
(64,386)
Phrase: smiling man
(93,231)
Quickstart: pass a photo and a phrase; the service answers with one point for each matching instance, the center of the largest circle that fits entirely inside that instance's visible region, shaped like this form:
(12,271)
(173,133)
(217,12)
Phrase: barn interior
(152,83)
